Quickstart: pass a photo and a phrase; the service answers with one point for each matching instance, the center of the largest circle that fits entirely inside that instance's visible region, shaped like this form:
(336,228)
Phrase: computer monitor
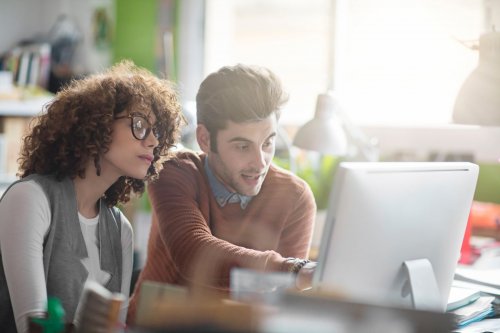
(394,230)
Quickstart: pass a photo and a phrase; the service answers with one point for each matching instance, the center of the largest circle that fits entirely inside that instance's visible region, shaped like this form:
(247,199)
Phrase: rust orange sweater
(195,241)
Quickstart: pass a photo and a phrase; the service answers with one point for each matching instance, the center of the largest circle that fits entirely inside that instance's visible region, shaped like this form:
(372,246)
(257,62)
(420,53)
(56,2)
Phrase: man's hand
(305,275)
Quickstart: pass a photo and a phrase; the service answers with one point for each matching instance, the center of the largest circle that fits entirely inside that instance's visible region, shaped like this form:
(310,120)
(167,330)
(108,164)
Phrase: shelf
(23,108)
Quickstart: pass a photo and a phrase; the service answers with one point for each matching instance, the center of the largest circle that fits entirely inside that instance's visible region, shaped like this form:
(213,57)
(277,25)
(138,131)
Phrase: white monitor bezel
(348,251)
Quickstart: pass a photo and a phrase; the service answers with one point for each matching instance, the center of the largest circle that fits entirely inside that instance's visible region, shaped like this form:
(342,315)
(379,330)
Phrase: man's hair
(77,125)
(239,93)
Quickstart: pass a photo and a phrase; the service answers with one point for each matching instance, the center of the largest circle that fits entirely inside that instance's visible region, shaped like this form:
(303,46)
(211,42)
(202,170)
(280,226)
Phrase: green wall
(136,29)
(488,183)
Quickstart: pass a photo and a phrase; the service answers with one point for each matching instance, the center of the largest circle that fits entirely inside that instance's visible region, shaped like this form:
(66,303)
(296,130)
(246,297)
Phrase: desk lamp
(330,132)
(478,100)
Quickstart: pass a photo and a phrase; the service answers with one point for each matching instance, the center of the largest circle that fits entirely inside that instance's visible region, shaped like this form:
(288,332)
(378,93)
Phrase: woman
(99,141)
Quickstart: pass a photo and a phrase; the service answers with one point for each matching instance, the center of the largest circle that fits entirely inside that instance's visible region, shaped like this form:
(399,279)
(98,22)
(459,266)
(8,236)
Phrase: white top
(24,222)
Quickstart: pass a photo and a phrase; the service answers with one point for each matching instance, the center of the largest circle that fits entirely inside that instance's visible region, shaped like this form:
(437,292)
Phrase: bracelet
(297,264)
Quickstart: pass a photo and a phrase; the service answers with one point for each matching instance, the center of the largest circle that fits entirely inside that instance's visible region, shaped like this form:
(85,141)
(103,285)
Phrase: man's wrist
(295,264)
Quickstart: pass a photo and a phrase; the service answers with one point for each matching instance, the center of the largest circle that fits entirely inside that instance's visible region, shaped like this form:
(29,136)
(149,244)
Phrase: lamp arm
(285,140)
(365,148)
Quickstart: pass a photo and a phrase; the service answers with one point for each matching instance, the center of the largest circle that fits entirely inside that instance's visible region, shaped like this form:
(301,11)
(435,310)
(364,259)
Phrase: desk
(299,313)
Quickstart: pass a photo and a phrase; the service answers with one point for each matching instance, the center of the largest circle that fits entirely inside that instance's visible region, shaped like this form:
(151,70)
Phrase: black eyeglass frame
(150,128)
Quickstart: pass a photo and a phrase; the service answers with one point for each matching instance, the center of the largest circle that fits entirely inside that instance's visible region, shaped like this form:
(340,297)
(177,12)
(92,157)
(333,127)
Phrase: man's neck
(222,194)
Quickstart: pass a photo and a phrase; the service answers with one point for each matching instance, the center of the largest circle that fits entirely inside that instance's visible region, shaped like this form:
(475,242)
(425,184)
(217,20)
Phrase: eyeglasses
(141,127)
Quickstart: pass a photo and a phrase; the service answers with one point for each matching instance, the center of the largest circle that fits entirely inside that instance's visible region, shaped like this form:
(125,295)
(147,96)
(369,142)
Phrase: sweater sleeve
(199,257)
(24,221)
(295,240)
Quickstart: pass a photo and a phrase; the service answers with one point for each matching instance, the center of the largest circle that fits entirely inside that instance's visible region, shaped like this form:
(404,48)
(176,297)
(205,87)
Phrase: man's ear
(203,138)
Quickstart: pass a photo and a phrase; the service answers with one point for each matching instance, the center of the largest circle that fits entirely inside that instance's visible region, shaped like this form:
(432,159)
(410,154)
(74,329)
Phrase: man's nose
(259,160)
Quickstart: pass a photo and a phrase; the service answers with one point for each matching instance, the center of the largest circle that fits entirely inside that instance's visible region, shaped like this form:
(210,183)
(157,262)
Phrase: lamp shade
(478,100)
(324,133)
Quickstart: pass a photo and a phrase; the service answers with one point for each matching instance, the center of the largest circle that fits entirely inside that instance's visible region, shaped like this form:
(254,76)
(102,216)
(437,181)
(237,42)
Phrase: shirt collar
(222,195)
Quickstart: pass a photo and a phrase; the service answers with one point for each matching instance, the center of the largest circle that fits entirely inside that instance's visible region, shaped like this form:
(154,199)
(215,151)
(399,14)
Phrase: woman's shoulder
(26,199)
(25,189)
(47,182)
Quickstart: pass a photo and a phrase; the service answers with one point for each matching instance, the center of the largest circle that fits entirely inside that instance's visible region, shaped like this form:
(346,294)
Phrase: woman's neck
(89,190)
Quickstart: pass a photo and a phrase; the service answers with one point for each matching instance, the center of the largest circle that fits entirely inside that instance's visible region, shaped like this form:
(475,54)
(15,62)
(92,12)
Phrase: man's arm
(295,240)
(186,234)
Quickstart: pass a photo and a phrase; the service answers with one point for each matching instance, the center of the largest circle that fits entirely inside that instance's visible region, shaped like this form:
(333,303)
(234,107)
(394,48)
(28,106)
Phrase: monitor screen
(394,231)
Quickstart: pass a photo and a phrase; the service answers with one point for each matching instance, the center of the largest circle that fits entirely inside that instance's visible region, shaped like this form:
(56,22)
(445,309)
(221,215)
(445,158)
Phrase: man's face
(245,152)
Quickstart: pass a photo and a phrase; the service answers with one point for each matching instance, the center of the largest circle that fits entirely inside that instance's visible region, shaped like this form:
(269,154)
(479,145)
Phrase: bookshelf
(29,63)
(15,116)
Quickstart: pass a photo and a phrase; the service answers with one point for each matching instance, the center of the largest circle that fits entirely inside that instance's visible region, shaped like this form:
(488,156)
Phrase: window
(288,37)
(397,62)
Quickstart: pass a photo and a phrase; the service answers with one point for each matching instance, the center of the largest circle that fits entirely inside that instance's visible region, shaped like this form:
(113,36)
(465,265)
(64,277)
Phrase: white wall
(26,19)
(491,14)
(21,19)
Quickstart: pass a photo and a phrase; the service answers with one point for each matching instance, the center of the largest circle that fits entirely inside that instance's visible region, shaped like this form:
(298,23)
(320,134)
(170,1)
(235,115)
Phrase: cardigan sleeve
(24,221)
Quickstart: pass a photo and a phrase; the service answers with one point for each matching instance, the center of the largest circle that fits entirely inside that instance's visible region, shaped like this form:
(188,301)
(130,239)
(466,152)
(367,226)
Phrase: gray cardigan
(64,247)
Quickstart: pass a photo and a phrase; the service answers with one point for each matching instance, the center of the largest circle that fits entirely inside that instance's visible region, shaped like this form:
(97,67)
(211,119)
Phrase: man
(230,206)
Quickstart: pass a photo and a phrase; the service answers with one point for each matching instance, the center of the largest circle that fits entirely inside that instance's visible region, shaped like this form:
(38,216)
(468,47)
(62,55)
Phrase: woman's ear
(203,138)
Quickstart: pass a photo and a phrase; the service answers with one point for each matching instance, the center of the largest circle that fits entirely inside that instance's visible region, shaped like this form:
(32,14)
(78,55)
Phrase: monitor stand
(424,289)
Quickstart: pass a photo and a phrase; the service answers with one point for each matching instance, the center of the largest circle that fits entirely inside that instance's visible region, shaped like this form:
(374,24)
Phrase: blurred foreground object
(172,309)
(54,320)
(98,309)
(485,219)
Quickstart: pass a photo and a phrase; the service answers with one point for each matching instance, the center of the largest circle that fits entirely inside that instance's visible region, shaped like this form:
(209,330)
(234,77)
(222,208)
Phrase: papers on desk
(487,282)
(486,325)
(481,277)
(475,311)
(460,297)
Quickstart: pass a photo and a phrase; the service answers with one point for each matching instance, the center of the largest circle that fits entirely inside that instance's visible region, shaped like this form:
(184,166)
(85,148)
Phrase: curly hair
(76,126)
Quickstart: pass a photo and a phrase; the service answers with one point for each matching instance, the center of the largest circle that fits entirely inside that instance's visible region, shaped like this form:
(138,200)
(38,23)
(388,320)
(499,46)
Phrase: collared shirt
(221,193)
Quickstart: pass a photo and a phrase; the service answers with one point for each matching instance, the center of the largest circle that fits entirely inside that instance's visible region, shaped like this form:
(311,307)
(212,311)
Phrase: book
(29,63)
(460,297)
(22,75)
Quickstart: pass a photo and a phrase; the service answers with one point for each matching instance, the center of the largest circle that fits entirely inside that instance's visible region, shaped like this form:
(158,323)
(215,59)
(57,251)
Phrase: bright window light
(397,62)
